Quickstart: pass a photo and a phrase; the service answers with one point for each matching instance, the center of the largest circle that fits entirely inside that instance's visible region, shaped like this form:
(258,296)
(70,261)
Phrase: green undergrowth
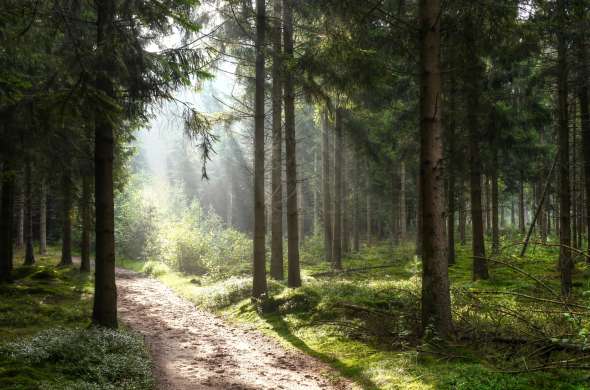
(46,341)
(363,323)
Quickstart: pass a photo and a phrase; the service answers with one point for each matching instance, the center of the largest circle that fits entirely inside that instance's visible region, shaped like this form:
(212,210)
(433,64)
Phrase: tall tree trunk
(345,207)
(276,257)
(315,194)
(337,249)
(584,100)
(356,241)
(521,224)
(294,274)
(565,258)
(368,210)
(6,220)
(436,301)
(403,219)
(451,174)
(300,211)
(86,223)
(20,212)
(462,214)
(105,295)
(29,249)
(43,218)
(480,266)
(66,239)
(327,198)
(495,226)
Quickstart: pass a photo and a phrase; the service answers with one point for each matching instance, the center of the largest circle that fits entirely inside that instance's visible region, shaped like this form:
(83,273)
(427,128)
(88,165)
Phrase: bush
(76,359)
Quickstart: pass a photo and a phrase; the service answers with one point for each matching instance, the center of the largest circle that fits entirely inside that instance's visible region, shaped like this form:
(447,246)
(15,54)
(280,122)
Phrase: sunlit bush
(159,225)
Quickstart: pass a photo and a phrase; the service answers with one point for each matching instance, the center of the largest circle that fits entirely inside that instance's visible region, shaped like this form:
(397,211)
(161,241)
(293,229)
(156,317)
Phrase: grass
(378,348)
(46,341)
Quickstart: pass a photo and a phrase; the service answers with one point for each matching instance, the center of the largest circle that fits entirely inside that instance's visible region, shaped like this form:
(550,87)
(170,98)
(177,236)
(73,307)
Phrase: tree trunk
(436,301)
(315,194)
(276,258)
(462,214)
(403,219)
(20,213)
(66,238)
(294,273)
(495,226)
(327,198)
(480,266)
(86,224)
(105,296)
(451,174)
(337,243)
(521,224)
(565,259)
(29,249)
(300,211)
(345,207)
(368,217)
(6,220)
(356,241)
(43,219)
(584,100)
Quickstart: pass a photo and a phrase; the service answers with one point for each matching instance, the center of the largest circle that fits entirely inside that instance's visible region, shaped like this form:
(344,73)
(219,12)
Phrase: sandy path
(194,349)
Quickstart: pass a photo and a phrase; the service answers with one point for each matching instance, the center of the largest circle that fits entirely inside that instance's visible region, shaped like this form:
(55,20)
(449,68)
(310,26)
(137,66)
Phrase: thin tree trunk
(584,100)
(276,257)
(521,224)
(462,214)
(86,224)
(495,227)
(29,249)
(294,273)
(403,219)
(356,241)
(480,266)
(6,220)
(43,218)
(66,239)
(20,213)
(315,194)
(337,244)
(105,296)
(565,259)
(327,199)
(368,217)
(436,302)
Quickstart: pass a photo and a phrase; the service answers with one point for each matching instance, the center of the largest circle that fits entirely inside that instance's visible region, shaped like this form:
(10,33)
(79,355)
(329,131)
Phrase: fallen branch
(350,270)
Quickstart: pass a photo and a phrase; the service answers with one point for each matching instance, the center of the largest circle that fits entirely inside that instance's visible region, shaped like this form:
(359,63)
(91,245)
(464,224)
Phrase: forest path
(195,349)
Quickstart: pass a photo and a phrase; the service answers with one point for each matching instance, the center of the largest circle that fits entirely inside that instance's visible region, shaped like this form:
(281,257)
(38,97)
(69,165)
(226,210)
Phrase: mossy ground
(381,351)
(45,339)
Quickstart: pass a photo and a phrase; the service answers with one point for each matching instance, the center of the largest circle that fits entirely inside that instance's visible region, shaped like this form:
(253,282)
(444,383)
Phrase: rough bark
(521,206)
(326,195)
(294,273)
(43,218)
(403,218)
(6,220)
(28,223)
(436,303)
(480,267)
(584,101)
(85,211)
(105,295)
(495,225)
(462,215)
(356,241)
(66,238)
(565,258)
(276,248)
(338,193)
(20,212)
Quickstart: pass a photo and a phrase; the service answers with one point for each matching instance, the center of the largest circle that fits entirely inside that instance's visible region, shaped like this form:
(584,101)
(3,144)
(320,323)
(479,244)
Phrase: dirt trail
(194,349)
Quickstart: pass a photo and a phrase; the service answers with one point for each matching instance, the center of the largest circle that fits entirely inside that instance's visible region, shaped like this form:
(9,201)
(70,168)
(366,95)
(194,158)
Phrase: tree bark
(29,249)
(521,224)
(86,224)
(43,218)
(403,219)
(66,239)
(6,220)
(20,212)
(276,258)
(327,198)
(356,241)
(480,267)
(565,258)
(495,226)
(294,273)
(584,100)
(462,214)
(436,302)
(105,295)
(337,243)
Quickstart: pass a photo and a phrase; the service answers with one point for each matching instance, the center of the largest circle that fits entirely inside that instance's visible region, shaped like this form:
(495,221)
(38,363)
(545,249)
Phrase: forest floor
(363,323)
(195,349)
